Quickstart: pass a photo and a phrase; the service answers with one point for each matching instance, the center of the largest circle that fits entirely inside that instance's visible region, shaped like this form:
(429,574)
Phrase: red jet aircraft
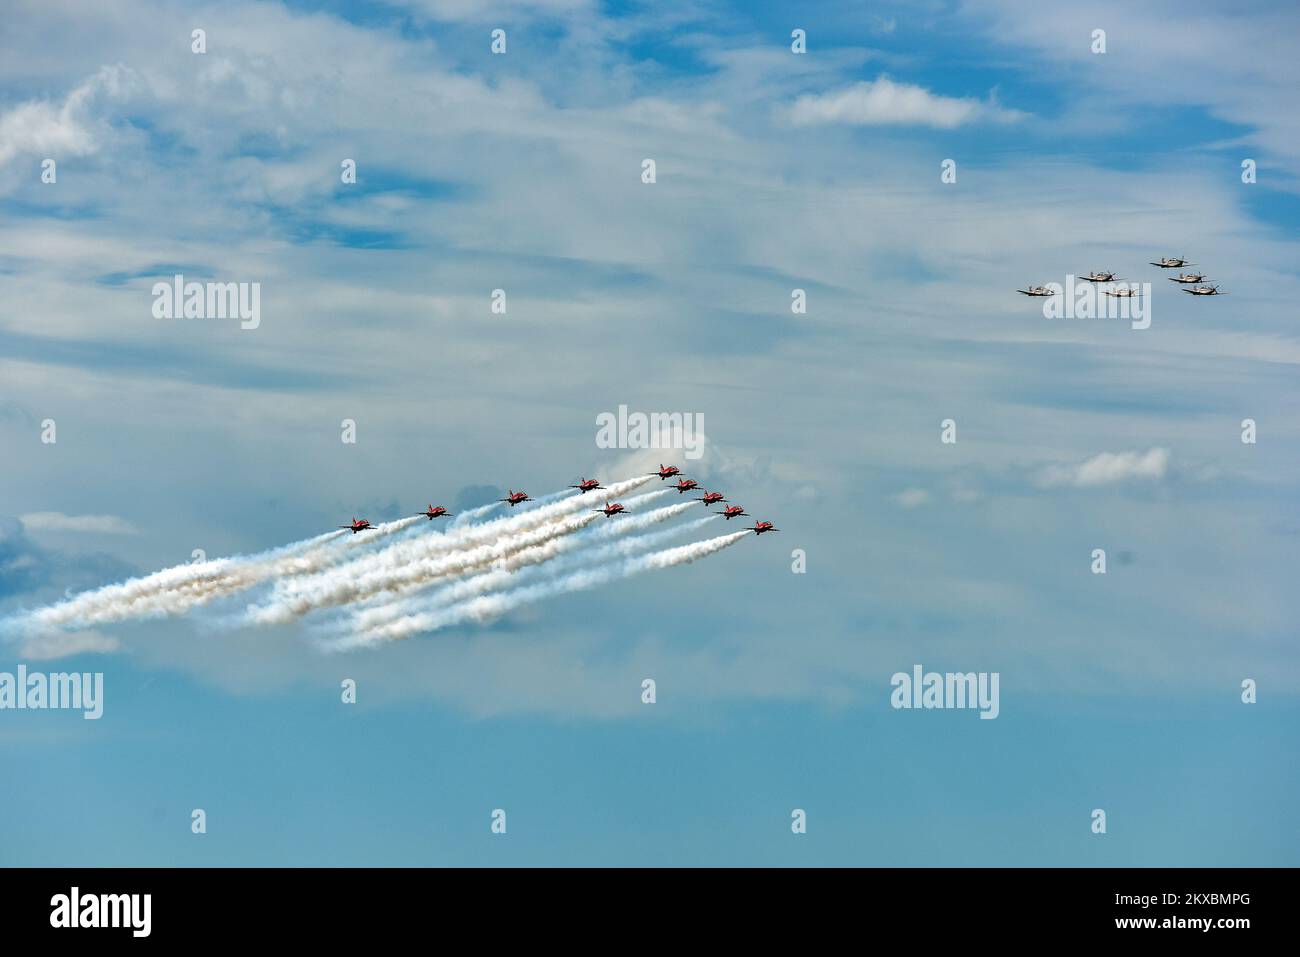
(758,528)
(431,513)
(712,497)
(732,511)
(685,485)
(359,525)
(609,510)
(587,485)
(515,498)
(667,471)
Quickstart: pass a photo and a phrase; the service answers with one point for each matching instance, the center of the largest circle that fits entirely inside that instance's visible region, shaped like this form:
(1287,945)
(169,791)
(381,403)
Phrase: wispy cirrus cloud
(882,102)
(1109,468)
(1239,67)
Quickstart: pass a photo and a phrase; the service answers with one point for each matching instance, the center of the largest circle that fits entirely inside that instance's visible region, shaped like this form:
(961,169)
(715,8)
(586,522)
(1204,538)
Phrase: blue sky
(776,171)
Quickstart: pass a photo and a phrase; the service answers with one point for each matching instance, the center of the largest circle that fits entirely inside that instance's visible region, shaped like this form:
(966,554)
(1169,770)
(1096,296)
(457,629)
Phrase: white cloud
(883,102)
(92,524)
(912,497)
(51,130)
(1109,467)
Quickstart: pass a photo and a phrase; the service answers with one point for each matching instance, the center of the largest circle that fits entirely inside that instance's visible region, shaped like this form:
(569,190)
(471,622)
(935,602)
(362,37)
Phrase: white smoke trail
(381,531)
(535,546)
(180,588)
(549,497)
(430,557)
(159,593)
(542,548)
(521,567)
(176,590)
(468,516)
(295,598)
(637,501)
(486,607)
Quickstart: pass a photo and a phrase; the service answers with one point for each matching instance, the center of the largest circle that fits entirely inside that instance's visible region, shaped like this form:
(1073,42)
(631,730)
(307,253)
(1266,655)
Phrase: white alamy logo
(36,691)
(102,910)
(1091,300)
(930,689)
(656,430)
(179,299)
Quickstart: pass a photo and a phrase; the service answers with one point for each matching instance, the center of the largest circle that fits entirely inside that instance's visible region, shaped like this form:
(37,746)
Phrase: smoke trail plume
(522,566)
(469,515)
(536,546)
(486,607)
(293,599)
(176,590)
(411,562)
(296,598)
(383,573)
(169,591)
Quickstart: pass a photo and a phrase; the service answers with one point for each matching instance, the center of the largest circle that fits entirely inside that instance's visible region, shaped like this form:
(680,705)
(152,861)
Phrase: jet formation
(1194,284)
(611,509)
